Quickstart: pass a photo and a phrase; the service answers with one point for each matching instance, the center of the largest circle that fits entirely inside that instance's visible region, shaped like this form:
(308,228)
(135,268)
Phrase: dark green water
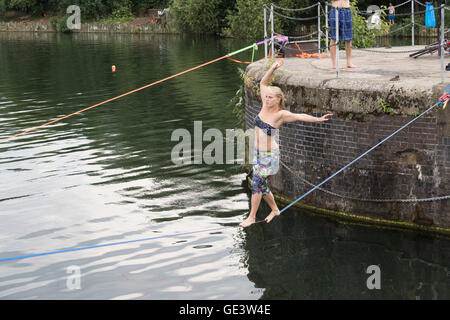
(106,176)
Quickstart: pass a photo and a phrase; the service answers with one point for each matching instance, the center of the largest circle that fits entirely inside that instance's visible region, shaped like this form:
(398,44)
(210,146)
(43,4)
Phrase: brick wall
(415,163)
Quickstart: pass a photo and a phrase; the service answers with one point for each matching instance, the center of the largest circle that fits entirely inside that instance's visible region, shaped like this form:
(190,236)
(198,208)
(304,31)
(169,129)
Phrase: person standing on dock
(267,154)
(391,15)
(345,30)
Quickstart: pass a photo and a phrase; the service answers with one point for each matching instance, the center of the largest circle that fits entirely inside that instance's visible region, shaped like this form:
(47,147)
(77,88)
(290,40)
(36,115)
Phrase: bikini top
(267,128)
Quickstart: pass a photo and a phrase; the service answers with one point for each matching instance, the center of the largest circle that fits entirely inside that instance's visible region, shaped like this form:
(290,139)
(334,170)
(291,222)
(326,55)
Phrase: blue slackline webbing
(359,157)
(107,244)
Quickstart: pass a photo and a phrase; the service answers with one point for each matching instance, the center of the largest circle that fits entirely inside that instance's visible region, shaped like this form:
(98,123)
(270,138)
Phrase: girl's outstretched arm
(288,116)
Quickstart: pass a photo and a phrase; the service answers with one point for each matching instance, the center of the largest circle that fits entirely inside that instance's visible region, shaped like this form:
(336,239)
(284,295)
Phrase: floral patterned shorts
(265,164)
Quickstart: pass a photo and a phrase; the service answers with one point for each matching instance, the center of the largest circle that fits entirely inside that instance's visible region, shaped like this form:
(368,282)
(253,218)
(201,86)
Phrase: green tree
(3,7)
(90,9)
(224,7)
(151,4)
(289,26)
(197,16)
(141,6)
(246,20)
(34,7)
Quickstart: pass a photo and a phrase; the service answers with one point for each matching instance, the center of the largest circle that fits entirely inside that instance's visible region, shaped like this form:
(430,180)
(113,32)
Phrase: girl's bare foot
(247,222)
(272,215)
(350,65)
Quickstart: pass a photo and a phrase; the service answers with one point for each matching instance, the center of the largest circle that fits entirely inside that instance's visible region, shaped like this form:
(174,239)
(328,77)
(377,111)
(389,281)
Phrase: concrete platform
(380,64)
(407,84)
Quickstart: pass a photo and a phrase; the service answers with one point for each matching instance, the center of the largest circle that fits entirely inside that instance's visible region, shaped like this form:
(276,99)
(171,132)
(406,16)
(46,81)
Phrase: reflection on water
(302,256)
(106,176)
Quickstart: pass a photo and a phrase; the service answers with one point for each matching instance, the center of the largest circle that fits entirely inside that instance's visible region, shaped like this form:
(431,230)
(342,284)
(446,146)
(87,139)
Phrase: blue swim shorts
(391,16)
(345,24)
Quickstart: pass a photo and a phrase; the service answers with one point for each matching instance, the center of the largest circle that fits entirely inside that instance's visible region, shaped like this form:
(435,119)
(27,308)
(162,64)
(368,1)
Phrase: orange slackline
(112,99)
(308,55)
(238,61)
(270,54)
(312,55)
(246,62)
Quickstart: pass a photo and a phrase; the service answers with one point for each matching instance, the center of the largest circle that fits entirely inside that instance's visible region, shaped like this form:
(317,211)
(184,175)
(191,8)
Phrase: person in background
(345,30)
(391,15)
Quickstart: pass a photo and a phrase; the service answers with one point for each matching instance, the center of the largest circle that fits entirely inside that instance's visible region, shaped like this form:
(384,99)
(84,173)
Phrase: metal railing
(322,11)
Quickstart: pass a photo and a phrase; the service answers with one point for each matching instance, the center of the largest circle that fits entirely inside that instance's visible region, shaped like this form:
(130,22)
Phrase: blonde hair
(277,91)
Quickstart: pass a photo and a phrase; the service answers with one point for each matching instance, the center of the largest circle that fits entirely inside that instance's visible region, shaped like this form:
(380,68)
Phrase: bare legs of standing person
(348,53)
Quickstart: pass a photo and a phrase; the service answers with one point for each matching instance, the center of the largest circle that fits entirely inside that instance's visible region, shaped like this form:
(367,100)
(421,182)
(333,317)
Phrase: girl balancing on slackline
(267,154)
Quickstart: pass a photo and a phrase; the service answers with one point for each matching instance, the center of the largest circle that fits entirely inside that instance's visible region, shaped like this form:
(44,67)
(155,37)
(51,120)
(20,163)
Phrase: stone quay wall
(414,164)
(130,27)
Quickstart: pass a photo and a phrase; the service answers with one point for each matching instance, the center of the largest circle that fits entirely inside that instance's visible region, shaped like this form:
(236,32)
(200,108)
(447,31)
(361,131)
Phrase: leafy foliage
(197,16)
(292,26)
(231,18)
(89,8)
(246,20)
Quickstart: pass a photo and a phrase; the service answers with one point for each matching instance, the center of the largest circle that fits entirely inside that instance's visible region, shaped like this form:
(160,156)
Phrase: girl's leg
(257,185)
(255,201)
(272,204)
